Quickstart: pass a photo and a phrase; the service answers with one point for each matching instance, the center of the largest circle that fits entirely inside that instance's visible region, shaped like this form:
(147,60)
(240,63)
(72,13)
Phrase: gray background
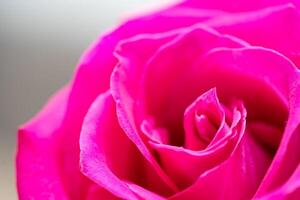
(40,44)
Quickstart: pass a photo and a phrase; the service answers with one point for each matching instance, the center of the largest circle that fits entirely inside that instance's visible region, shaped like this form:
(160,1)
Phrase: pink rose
(200,100)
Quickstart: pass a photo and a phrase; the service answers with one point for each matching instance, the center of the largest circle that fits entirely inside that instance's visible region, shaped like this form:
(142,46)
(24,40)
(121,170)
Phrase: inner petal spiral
(202,120)
(212,132)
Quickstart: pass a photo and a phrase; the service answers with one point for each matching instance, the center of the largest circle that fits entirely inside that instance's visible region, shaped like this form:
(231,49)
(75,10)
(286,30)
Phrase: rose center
(205,126)
(202,120)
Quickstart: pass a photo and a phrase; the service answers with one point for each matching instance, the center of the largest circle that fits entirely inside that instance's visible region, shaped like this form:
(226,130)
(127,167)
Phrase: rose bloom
(198,100)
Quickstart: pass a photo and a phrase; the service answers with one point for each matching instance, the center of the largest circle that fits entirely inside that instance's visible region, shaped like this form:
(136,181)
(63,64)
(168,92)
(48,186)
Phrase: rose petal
(269,135)
(235,5)
(95,192)
(284,163)
(289,190)
(144,194)
(258,27)
(158,135)
(95,163)
(109,158)
(237,178)
(38,173)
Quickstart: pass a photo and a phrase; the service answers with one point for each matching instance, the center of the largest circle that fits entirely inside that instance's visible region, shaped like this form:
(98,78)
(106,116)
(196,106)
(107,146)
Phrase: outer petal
(287,157)
(94,159)
(110,159)
(289,190)
(38,173)
(235,5)
(276,27)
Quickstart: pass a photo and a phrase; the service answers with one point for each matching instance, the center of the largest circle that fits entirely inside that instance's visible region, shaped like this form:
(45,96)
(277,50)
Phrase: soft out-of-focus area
(40,44)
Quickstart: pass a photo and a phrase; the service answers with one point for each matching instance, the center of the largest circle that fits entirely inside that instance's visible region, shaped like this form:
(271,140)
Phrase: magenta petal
(143,193)
(285,163)
(38,172)
(96,192)
(109,158)
(235,5)
(236,178)
(268,135)
(258,27)
(155,134)
(289,190)
(93,158)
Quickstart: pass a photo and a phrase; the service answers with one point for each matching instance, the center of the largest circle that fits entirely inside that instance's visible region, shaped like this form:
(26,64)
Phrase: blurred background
(40,44)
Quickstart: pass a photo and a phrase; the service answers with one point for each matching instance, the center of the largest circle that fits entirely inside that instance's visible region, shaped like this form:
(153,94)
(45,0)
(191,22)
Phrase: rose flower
(199,100)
